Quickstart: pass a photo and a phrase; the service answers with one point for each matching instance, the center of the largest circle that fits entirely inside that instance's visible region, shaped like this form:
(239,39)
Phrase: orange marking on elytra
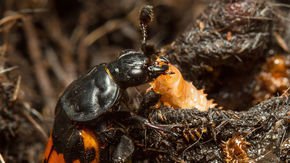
(91,142)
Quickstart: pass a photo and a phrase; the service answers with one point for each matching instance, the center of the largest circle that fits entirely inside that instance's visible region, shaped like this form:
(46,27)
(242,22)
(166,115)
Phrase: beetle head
(133,68)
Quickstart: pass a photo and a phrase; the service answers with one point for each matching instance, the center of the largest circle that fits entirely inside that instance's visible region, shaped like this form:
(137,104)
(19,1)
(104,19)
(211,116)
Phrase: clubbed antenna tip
(145,17)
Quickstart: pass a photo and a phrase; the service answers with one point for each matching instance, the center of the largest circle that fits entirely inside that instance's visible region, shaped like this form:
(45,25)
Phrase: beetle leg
(124,150)
(150,99)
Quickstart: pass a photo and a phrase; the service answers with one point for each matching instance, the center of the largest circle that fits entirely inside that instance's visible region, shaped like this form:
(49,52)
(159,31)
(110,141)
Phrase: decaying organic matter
(224,52)
(228,33)
(224,47)
(235,149)
(264,128)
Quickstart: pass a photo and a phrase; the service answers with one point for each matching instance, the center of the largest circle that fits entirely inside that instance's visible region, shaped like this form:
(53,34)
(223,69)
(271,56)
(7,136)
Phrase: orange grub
(273,79)
(178,93)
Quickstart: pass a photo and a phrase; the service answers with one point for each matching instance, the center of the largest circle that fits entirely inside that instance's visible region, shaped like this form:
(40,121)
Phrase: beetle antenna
(145,18)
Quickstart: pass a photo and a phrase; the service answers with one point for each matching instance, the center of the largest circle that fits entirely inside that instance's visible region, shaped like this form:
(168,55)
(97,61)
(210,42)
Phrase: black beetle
(94,95)
(88,104)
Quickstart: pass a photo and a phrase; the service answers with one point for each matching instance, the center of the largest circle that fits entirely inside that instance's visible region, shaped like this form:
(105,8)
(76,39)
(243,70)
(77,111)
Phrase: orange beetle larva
(178,93)
(274,78)
(235,150)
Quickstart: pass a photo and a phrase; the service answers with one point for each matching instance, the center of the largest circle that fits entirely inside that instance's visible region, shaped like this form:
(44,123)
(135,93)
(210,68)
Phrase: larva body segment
(178,93)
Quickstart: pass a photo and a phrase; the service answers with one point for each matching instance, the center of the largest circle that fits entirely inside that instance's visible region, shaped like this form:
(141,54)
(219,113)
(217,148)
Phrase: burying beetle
(88,104)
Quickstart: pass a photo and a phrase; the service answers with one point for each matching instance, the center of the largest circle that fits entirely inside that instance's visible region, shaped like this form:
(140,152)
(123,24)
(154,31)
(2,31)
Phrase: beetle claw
(163,59)
(156,70)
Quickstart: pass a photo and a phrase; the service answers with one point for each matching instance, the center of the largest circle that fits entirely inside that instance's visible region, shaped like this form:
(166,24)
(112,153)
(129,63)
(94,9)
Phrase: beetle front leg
(150,99)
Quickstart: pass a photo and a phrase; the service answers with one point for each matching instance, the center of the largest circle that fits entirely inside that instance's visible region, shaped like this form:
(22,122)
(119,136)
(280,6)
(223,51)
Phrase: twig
(17,88)
(66,47)
(101,31)
(1,159)
(281,42)
(33,11)
(5,25)
(87,40)
(10,19)
(279,5)
(35,124)
(44,83)
(8,69)
(57,68)
(3,49)
(108,27)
